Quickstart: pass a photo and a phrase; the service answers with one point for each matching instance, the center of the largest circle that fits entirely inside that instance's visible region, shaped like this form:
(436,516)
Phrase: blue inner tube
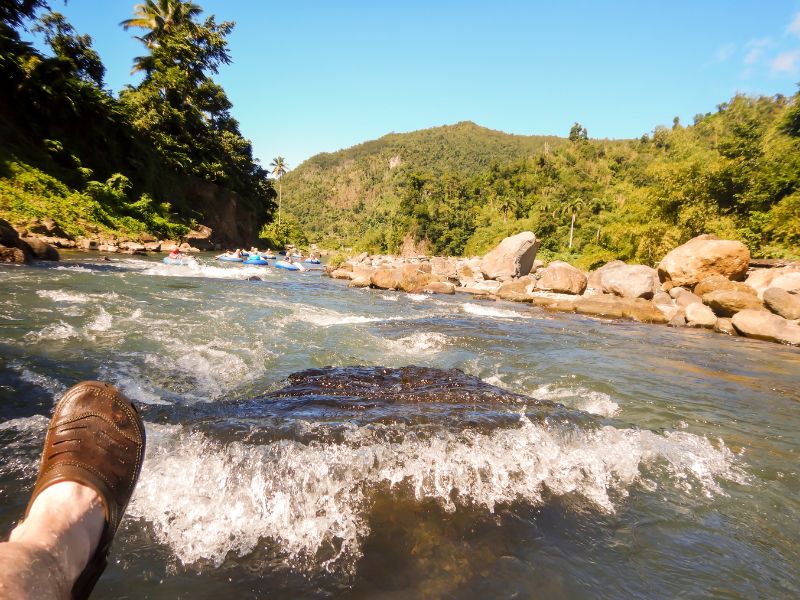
(256,261)
(173,261)
(230,259)
(280,264)
(313,261)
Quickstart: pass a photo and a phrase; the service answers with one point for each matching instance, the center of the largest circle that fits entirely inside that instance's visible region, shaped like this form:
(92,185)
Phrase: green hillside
(460,189)
(343,197)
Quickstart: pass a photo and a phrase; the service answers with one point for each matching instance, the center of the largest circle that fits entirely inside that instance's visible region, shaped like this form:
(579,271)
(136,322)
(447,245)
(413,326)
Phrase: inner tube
(313,261)
(174,261)
(230,259)
(282,264)
(256,261)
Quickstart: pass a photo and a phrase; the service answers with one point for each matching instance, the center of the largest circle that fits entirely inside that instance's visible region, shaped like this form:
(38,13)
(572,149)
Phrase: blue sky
(312,76)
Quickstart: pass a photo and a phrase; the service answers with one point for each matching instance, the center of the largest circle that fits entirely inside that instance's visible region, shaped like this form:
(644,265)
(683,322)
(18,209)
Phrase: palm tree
(160,17)
(573,205)
(279,165)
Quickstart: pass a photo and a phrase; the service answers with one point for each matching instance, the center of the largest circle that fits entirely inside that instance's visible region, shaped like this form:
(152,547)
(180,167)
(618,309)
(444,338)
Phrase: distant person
(92,457)
(175,253)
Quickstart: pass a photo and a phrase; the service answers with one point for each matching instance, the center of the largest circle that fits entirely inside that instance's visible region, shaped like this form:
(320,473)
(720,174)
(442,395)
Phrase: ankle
(66,520)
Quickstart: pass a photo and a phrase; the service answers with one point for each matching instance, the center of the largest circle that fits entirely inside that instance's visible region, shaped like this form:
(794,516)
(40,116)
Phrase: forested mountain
(346,197)
(460,189)
(163,155)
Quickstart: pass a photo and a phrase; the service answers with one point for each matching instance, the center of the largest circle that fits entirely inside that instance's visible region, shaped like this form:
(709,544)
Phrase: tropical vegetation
(162,155)
(460,189)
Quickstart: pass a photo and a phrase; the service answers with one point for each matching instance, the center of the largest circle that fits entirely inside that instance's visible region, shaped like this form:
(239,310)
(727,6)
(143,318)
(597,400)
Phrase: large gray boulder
(562,278)
(702,257)
(41,249)
(630,281)
(637,309)
(763,325)
(513,257)
(782,303)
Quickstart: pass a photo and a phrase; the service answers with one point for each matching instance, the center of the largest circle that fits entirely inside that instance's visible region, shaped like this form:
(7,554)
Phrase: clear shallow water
(567,458)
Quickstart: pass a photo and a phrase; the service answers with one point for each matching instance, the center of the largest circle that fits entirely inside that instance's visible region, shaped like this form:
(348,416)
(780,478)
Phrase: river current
(306,440)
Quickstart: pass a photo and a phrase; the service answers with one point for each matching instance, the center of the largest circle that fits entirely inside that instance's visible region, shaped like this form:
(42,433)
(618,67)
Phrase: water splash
(205,499)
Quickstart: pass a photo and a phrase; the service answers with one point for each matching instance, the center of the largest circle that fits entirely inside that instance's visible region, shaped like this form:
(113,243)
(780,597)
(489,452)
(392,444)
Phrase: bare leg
(48,550)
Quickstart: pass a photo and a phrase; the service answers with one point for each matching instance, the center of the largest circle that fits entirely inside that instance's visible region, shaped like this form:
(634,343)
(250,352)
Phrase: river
(306,440)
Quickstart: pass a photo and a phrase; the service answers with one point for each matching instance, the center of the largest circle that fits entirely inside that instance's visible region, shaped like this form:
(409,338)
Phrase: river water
(306,440)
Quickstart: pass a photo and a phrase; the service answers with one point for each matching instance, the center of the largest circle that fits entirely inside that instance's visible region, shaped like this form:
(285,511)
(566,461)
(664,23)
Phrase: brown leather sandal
(96,438)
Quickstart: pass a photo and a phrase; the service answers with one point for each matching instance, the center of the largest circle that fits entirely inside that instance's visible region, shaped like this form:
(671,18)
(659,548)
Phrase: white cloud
(724,52)
(755,50)
(786,62)
(794,26)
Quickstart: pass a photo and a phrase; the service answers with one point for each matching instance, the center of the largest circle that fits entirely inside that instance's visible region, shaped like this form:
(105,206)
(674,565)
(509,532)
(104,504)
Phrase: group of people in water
(266,255)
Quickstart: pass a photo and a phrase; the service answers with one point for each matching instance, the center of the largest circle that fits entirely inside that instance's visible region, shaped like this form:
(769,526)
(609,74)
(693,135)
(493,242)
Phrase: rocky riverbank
(705,283)
(41,240)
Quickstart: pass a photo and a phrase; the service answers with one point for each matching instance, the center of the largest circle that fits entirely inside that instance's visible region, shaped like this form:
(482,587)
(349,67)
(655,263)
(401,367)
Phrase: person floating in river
(175,253)
(90,464)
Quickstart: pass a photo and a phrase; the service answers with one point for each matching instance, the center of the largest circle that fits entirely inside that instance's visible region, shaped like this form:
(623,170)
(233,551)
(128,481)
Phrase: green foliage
(734,173)
(55,116)
(278,237)
(336,260)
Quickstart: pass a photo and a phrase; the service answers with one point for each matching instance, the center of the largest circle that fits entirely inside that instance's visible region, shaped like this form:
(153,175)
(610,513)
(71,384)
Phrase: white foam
(417,297)
(102,321)
(324,317)
(196,269)
(390,297)
(35,424)
(423,342)
(490,311)
(63,296)
(205,500)
(591,401)
(47,383)
(54,331)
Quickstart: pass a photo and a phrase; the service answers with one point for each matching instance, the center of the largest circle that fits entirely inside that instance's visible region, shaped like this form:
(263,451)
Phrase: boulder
(720,282)
(562,278)
(200,238)
(87,244)
(12,255)
(360,281)
(669,310)
(108,248)
(132,246)
(702,257)
(679,320)
(517,290)
(724,325)
(761,279)
(168,245)
(637,309)
(726,303)
(488,285)
(662,298)
(594,279)
(341,274)
(559,303)
(676,291)
(629,281)
(407,278)
(699,315)
(440,287)
(763,325)
(444,267)
(364,256)
(154,246)
(9,237)
(782,303)
(42,250)
(512,257)
(789,282)
(687,298)
(47,227)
